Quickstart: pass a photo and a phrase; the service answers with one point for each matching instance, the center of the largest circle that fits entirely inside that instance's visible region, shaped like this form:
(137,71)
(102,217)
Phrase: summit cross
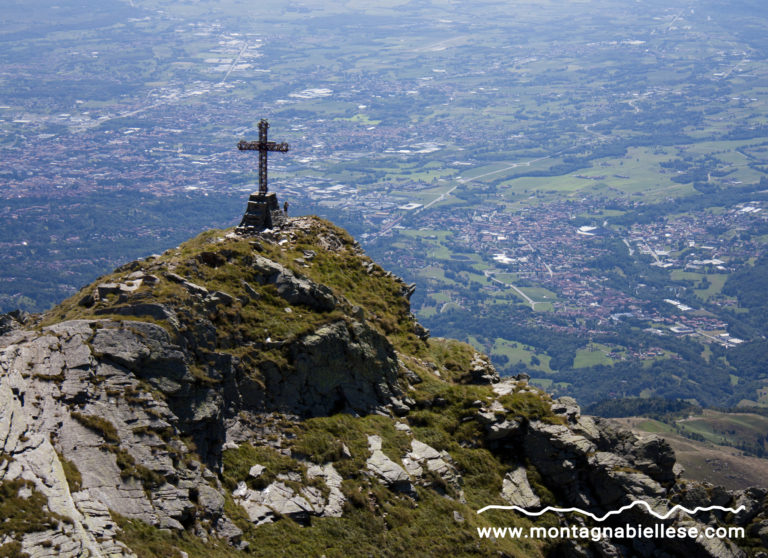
(263,147)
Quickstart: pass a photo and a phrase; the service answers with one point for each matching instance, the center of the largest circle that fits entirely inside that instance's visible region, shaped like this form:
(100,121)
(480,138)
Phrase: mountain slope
(273,395)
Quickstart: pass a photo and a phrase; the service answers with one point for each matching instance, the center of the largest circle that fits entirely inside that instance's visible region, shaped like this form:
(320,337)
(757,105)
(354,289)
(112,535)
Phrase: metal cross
(263,147)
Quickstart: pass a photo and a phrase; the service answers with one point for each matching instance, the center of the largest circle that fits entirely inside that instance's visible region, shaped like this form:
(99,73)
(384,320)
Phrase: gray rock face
(294,289)
(595,462)
(517,490)
(337,367)
(594,465)
(505,386)
(650,454)
(586,474)
(24,436)
(424,459)
(386,470)
(568,407)
(751,499)
(256,471)
(560,455)
(108,431)
(258,513)
(501,429)
(482,371)
(118,396)
(9,322)
(210,500)
(145,349)
(497,426)
(174,506)
(280,500)
(283,500)
(335,505)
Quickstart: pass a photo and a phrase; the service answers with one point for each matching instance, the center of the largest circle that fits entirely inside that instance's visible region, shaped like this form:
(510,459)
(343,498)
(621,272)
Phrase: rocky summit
(271,394)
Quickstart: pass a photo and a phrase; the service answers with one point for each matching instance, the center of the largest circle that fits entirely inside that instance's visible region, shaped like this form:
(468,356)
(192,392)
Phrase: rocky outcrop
(424,461)
(73,397)
(102,370)
(132,410)
(516,490)
(115,398)
(276,500)
(423,465)
(591,464)
(334,506)
(385,469)
(481,371)
(586,475)
(294,289)
(13,321)
(341,366)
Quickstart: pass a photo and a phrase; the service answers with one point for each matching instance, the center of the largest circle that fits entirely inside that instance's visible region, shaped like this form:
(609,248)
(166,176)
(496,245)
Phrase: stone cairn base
(262,213)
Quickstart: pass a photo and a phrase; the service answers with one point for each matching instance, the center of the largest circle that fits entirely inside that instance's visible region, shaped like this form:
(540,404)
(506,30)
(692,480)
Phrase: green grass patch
(238,462)
(74,478)
(453,357)
(150,542)
(530,406)
(592,355)
(100,425)
(24,513)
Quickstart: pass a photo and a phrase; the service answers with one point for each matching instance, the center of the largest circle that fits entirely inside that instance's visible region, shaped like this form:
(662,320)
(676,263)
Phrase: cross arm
(262,146)
(281,147)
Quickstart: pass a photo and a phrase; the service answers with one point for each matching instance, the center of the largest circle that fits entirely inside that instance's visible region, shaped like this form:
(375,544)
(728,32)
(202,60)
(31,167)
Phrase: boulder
(481,371)
(423,459)
(385,470)
(567,407)
(256,471)
(501,429)
(517,490)
(292,288)
(210,500)
(334,507)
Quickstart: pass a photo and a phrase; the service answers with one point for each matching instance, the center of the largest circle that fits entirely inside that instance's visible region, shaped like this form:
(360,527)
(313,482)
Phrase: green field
(519,354)
(715,280)
(593,355)
(539,294)
(727,428)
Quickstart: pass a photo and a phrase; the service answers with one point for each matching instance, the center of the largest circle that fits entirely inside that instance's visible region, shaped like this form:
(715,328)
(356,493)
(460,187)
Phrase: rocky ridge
(240,390)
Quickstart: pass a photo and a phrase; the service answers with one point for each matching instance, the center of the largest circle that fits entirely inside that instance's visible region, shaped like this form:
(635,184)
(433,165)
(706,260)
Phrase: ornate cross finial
(263,147)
